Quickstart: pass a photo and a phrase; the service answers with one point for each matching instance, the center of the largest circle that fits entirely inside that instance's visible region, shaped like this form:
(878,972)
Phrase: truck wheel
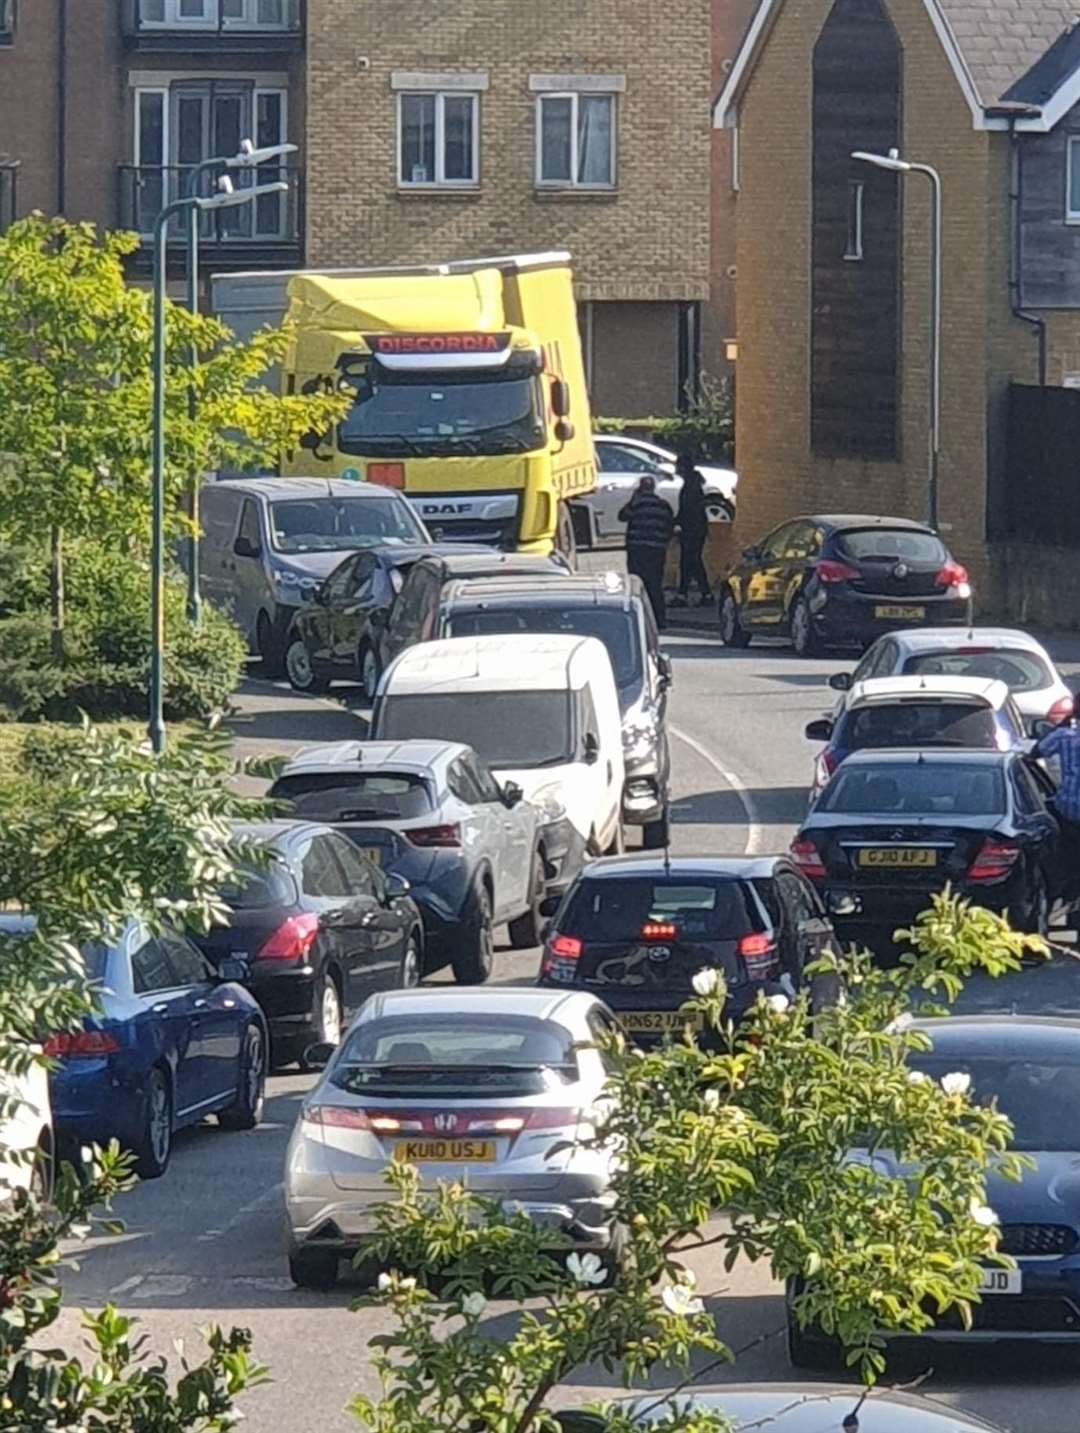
(525,930)
(475,956)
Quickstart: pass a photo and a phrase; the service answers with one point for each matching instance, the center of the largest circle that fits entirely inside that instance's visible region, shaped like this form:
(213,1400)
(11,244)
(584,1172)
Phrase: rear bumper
(841,617)
(886,909)
(92,1103)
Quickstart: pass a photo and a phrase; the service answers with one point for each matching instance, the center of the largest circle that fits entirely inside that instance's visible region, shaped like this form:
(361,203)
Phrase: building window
(575,140)
(206,14)
(438,140)
(1072,181)
(853,249)
(7,22)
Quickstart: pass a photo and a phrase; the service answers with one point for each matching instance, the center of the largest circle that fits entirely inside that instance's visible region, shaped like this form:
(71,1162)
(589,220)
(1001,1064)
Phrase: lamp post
(225,200)
(896,165)
(248,158)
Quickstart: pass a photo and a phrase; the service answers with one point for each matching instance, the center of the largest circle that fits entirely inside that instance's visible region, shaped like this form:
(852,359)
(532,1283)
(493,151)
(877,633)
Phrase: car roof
(928,639)
(559,1006)
(518,661)
(418,756)
(843,521)
(1007,1035)
(575,590)
(923,755)
(399,555)
(491,562)
(285,488)
(653,863)
(988,690)
(820,1407)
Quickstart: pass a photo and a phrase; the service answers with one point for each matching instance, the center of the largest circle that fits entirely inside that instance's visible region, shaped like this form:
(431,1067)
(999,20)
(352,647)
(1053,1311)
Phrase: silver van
(268,543)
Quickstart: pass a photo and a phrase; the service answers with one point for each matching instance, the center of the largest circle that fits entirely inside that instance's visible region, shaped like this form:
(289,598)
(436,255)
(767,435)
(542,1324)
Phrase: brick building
(833,274)
(488,128)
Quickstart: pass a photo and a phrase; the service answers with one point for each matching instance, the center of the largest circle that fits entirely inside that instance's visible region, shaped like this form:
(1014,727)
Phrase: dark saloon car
(319,929)
(892,827)
(336,637)
(830,580)
(635,930)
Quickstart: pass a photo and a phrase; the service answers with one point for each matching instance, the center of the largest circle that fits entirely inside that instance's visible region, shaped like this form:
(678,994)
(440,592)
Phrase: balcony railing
(268,229)
(212,25)
(9,192)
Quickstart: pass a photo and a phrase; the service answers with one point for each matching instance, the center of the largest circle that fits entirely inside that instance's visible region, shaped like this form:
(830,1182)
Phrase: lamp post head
(890,161)
(230,198)
(249,156)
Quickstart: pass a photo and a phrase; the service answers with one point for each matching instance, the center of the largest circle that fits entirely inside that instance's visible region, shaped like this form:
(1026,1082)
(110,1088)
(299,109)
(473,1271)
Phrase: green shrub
(706,430)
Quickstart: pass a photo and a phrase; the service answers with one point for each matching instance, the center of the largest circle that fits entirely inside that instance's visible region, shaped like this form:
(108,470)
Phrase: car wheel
(313,1268)
(268,646)
(803,637)
(367,662)
(412,964)
(657,834)
(1038,918)
(299,669)
(247,1109)
(473,961)
(326,1012)
(153,1144)
(732,631)
(525,930)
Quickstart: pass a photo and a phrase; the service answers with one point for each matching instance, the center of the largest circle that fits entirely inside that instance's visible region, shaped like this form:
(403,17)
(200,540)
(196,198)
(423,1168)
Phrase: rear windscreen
(899,544)
(917,723)
(1020,670)
(616,628)
(930,789)
(619,910)
(251,890)
(354,796)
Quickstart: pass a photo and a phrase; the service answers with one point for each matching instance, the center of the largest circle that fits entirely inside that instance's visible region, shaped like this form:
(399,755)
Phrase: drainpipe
(1037,323)
(61,108)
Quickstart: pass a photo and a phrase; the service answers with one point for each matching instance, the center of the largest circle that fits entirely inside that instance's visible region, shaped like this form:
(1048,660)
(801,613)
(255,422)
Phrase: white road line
(273,1195)
(754,824)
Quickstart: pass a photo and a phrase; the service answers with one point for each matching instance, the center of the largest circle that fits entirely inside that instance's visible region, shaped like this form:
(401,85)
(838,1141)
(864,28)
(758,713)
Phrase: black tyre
(525,930)
(153,1145)
(657,834)
(474,957)
(367,664)
(732,631)
(299,669)
(269,645)
(246,1111)
(803,637)
(326,1012)
(313,1268)
(412,963)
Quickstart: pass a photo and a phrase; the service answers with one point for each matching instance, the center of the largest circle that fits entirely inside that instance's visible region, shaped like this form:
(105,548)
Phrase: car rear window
(617,628)
(253,890)
(918,723)
(930,789)
(897,543)
(1040,1098)
(355,796)
(619,910)
(1019,669)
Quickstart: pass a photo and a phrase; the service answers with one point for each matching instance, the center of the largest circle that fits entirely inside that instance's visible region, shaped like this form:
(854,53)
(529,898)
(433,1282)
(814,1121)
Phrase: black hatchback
(836,580)
(635,930)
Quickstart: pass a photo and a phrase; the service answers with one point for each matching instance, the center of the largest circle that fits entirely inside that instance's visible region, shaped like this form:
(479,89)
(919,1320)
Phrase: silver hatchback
(494,1088)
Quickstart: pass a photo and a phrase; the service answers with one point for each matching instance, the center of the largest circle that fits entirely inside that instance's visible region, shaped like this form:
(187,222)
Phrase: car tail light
(428,836)
(80,1044)
(658,930)
(954,575)
(292,940)
(514,1122)
(760,955)
(560,957)
(827,763)
(1062,709)
(993,862)
(808,859)
(828,570)
(338,1117)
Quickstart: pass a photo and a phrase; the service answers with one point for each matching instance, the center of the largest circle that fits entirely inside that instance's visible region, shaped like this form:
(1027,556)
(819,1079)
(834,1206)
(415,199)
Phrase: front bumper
(1046,1311)
(841,617)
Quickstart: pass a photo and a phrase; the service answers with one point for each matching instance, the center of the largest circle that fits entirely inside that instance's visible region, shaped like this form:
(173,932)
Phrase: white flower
(386,1282)
(585,1269)
(778,1003)
(706,982)
(900,1024)
(712,1099)
(680,1299)
(956,1083)
(86,1154)
(391,1283)
(918,1077)
(983,1215)
(406,1286)
(473,1305)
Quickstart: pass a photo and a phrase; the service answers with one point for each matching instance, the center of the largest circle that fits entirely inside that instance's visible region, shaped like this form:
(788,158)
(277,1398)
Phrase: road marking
(754,824)
(268,1196)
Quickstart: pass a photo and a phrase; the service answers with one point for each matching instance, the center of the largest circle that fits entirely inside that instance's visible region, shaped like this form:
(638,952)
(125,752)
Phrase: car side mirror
(819,730)
(840,681)
(549,905)
(663,666)
(233,970)
(317,1057)
(560,399)
(397,887)
(592,748)
(512,794)
(751,554)
(842,903)
(564,430)
(244,547)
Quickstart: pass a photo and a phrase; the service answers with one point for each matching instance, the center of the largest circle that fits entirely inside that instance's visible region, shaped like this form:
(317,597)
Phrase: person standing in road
(1063,744)
(649,527)
(693,523)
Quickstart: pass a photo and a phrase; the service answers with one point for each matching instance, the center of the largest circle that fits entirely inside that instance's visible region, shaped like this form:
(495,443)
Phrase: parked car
(622,462)
(892,827)
(541,711)
(885,712)
(174,1041)
(268,543)
(431,813)
(636,930)
(336,637)
(614,609)
(318,928)
(26,1133)
(490,1087)
(1029,1067)
(827,580)
(996,653)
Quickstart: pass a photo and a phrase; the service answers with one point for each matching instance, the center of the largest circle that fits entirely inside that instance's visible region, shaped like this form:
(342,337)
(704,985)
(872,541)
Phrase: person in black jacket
(649,526)
(693,522)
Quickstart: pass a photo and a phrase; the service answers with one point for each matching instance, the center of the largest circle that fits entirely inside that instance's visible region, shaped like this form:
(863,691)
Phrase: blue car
(174,1041)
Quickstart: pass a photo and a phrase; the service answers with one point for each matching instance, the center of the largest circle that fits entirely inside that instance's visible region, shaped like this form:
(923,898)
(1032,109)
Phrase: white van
(542,710)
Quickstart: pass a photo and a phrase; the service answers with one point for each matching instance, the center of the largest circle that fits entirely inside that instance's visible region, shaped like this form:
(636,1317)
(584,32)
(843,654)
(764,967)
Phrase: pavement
(206,1244)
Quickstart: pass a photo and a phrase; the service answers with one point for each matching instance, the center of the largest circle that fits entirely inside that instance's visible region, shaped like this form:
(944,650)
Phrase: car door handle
(200,1004)
(161,1008)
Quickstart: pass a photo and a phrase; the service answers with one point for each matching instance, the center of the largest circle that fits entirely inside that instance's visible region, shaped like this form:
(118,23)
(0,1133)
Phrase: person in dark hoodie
(649,527)
(693,523)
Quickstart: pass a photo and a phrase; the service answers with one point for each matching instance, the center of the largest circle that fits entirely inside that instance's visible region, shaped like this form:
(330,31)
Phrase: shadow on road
(774,806)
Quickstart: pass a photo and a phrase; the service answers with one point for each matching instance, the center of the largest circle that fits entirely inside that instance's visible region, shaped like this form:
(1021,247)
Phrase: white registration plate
(1001,1281)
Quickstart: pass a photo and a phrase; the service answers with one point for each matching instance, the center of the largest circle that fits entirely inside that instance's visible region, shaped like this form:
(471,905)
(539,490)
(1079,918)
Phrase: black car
(827,580)
(336,637)
(319,928)
(892,827)
(635,930)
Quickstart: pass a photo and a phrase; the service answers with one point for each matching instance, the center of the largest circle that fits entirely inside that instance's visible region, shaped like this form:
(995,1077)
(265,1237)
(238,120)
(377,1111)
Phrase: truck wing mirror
(560,397)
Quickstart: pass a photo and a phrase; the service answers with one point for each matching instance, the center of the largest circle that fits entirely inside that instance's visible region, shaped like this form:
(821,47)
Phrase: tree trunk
(56,594)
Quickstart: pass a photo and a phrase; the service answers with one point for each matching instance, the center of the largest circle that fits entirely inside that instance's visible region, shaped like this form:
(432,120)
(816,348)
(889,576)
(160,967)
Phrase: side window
(1015,720)
(487,788)
(406,610)
(189,966)
(796,898)
(462,783)
(150,968)
(365,574)
(340,582)
(249,525)
(358,874)
(775,545)
(1024,793)
(800,540)
(320,874)
(602,1026)
(874,663)
(619,458)
(430,595)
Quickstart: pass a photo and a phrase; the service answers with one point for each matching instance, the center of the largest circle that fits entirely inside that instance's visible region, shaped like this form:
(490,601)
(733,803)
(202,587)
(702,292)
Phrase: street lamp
(896,165)
(228,198)
(248,158)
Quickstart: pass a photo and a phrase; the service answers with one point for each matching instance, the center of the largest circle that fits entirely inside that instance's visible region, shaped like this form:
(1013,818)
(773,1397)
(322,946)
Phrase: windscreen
(618,630)
(915,723)
(354,795)
(1020,670)
(900,544)
(506,729)
(617,911)
(929,789)
(1040,1098)
(330,524)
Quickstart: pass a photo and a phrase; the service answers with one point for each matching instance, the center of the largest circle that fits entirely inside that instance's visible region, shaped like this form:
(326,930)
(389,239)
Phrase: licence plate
(656,1022)
(901,614)
(445,1151)
(373,853)
(895,858)
(1001,1281)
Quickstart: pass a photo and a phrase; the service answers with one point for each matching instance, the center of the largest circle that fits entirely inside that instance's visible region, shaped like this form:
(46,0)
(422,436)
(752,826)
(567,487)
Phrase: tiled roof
(1001,40)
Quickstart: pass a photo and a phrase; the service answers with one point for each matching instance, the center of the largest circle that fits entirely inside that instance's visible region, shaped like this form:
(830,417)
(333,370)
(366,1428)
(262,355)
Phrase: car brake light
(827,763)
(993,861)
(954,575)
(1062,709)
(759,955)
(84,1044)
(292,940)
(829,570)
(657,930)
(808,859)
(337,1117)
(434,836)
(560,957)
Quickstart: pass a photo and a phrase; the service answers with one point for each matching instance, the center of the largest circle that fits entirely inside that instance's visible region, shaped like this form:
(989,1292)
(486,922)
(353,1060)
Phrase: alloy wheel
(159,1121)
(256,1070)
(369,673)
(330,1013)
(298,666)
(410,966)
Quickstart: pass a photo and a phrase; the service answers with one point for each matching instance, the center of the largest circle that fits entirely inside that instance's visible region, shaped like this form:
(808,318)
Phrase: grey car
(494,1088)
(268,543)
(431,812)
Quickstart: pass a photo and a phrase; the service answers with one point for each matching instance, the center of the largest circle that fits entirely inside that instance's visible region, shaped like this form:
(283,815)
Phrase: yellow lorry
(468,383)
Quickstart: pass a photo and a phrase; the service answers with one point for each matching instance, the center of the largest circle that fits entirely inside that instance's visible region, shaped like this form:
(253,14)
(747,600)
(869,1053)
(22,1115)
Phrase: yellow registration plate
(901,614)
(657,1022)
(373,853)
(445,1151)
(898,857)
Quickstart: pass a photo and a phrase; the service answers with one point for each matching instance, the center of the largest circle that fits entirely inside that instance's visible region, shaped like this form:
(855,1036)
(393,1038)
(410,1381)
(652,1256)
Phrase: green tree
(75,344)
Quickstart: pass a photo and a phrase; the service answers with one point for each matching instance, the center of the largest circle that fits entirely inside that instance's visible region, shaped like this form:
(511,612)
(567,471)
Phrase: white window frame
(853,250)
(439,181)
(175,21)
(574,96)
(209,20)
(249,20)
(1072,215)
